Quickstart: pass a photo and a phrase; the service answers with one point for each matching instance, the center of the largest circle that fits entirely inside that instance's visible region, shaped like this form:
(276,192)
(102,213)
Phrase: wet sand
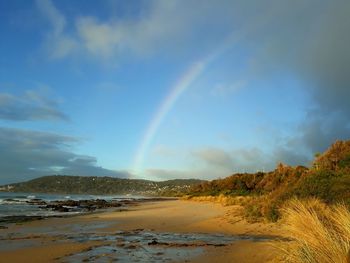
(164,228)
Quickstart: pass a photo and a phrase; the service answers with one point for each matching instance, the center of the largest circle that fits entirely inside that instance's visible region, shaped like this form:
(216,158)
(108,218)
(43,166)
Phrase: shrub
(327,185)
(345,162)
(317,184)
(272,213)
(252,211)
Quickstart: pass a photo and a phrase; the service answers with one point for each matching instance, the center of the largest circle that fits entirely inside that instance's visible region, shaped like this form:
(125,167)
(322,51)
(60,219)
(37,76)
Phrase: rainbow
(185,81)
(179,88)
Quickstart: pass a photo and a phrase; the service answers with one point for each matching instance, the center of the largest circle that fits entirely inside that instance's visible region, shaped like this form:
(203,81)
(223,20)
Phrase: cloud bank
(26,154)
(29,107)
(312,42)
(161,25)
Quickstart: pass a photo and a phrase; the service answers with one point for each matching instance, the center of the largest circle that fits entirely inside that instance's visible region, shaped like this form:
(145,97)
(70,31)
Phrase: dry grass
(252,206)
(221,199)
(321,233)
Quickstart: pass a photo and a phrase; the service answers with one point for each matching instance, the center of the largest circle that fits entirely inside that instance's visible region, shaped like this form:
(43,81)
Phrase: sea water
(19,204)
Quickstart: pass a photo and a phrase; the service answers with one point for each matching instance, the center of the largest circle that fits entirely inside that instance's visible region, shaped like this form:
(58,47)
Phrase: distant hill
(65,184)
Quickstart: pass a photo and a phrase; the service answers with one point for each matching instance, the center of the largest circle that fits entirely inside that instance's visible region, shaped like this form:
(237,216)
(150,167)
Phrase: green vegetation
(265,193)
(103,185)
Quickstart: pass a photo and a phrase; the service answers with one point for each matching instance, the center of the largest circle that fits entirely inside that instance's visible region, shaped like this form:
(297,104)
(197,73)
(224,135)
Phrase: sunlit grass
(320,233)
(221,199)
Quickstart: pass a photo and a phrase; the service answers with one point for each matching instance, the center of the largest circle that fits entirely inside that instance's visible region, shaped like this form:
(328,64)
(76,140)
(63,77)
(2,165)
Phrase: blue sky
(82,82)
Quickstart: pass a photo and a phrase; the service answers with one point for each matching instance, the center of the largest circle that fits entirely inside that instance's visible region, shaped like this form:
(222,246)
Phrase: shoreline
(171,216)
(71,207)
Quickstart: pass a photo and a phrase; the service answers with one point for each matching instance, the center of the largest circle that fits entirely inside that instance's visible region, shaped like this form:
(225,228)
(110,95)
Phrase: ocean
(21,204)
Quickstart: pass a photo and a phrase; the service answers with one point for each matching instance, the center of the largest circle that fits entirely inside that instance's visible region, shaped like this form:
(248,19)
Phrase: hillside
(102,185)
(328,179)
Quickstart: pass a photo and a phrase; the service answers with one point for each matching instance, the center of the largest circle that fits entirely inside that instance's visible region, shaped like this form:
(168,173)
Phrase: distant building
(6,188)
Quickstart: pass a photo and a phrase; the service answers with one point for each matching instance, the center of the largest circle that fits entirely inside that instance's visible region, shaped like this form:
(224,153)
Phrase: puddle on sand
(9,245)
(64,229)
(145,246)
(26,237)
(112,253)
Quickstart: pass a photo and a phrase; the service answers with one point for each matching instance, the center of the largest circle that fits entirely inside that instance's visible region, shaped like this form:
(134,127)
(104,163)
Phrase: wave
(41,213)
(12,201)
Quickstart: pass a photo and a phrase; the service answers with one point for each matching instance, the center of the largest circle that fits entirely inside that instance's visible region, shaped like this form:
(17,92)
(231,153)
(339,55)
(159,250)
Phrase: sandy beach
(62,239)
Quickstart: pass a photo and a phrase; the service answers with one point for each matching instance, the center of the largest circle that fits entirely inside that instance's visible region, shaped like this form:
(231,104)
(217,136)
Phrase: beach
(161,231)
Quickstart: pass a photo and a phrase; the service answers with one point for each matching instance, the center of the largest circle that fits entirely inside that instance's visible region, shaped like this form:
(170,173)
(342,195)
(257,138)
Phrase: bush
(345,163)
(272,213)
(252,212)
(317,184)
(327,185)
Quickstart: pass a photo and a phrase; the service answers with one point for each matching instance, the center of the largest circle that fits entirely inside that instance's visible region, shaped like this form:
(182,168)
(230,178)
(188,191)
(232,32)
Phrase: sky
(170,89)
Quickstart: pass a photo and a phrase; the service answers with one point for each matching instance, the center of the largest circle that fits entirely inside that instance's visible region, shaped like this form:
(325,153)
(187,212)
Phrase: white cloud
(215,157)
(99,39)
(214,162)
(164,151)
(58,43)
(169,25)
(158,27)
(223,90)
(62,46)
(236,160)
(31,106)
(57,20)
(168,174)
(26,154)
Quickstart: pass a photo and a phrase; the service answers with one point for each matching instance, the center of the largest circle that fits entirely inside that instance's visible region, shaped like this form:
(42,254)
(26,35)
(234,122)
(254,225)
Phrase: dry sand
(166,216)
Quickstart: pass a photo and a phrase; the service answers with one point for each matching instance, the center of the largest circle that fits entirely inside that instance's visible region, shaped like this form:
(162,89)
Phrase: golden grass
(221,199)
(321,233)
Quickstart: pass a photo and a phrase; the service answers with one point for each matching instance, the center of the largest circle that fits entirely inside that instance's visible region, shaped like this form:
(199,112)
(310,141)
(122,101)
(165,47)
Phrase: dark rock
(62,209)
(88,205)
(131,246)
(19,219)
(36,201)
(153,243)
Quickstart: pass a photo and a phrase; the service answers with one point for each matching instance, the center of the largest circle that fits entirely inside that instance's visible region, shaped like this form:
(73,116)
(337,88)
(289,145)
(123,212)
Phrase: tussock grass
(321,233)
(221,199)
